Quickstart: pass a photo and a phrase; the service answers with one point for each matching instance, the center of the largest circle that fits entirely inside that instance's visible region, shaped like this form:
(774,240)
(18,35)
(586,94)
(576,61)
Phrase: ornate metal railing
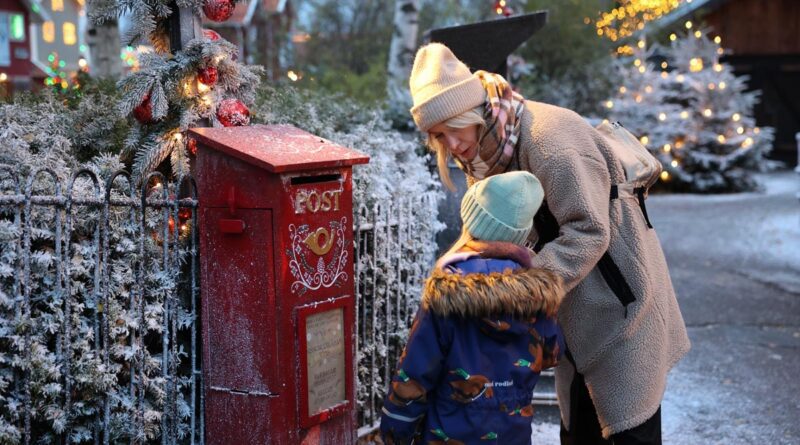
(99,291)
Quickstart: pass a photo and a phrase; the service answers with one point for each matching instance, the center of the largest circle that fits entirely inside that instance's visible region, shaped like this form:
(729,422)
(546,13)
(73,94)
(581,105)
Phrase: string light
(609,104)
(722,85)
(202,88)
(662,116)
(695,64)
(684,114)
(641,69)
(747,142)
(707,112)
(664,75)
(680,78)
(648,89)
(674,163)
(721,138)
(638,98)
(740,130)
(640,44)
(622,89)
(736,117)
(698,34)
(664,65)
(667,148)
(688,24)
(717,40)
(756,130)
(637,62)
(664,176)
(644,140)
(717,67)
(673,37)
(712,86)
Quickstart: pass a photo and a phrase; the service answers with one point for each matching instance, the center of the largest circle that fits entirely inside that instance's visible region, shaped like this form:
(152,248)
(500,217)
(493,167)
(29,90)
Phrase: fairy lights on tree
(629,17)
(693,113)
(171,91)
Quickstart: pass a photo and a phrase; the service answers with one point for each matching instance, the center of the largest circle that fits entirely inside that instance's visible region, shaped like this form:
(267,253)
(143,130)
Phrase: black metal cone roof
(487,45)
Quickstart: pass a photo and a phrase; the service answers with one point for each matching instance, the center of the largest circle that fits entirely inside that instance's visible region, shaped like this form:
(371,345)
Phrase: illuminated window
(57,5)
(48,31)
(16,26)
(70,38)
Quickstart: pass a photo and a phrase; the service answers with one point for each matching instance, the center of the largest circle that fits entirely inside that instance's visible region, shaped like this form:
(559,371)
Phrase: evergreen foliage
(694,114)
(166,84)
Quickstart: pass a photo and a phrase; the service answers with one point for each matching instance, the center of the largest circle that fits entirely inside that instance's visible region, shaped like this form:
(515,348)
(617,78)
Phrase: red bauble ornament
(218,10)
(233,113)
(212,35)
(144,111)
(207,75)
(191,145)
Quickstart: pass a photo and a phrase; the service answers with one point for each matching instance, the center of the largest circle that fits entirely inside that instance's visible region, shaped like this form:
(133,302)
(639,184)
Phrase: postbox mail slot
(299,180)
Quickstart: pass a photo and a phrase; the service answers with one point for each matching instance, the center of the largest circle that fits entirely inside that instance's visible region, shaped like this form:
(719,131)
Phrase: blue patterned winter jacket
(474,354)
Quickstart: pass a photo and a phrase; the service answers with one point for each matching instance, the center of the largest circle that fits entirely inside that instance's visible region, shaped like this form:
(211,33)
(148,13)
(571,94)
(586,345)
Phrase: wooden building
(62,34)
(17,70)
(764,38)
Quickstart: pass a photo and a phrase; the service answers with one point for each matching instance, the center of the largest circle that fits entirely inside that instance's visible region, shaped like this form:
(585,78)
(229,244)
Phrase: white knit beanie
(442,86)
(502,207)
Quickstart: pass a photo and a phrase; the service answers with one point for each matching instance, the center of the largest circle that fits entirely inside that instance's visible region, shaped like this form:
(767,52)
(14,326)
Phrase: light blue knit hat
(501,207)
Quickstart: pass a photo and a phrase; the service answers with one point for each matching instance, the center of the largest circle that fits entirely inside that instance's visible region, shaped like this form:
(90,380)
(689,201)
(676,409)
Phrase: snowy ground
(735,264)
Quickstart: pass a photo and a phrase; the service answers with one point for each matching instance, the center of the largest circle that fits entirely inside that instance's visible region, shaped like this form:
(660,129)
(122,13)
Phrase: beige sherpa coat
(625,360)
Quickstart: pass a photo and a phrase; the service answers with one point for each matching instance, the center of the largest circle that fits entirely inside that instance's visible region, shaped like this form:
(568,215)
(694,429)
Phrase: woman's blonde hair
(463,120)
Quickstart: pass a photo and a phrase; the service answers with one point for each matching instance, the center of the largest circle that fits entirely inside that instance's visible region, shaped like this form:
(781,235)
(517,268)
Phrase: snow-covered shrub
(68,350)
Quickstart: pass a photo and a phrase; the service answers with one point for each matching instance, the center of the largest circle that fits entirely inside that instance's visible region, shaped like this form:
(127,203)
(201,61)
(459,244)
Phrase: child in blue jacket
(484,331)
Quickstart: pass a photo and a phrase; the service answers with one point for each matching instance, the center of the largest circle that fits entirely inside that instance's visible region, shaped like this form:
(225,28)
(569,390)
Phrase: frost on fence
(98,296)
(394,249)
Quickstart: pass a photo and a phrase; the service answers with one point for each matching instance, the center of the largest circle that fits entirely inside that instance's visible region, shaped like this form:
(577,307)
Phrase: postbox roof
(278,148)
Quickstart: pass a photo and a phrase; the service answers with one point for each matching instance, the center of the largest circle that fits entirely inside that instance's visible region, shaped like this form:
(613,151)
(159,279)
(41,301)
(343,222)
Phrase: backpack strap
(640,193)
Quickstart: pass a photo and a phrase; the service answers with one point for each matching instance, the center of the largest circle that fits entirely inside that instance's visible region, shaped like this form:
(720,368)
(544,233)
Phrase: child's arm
(417,374)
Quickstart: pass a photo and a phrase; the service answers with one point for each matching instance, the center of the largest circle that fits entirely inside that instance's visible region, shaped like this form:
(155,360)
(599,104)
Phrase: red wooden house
(17,70)
(764,38)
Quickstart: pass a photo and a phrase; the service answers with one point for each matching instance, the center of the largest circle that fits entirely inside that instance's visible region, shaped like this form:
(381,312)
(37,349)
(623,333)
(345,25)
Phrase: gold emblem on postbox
(313,241)
(315,201)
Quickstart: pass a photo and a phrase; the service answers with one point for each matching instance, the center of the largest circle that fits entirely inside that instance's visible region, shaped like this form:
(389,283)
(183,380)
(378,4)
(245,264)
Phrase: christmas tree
(694,114)
(186,81)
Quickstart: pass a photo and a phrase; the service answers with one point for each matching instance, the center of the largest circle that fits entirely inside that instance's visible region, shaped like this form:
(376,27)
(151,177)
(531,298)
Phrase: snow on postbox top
(278,148)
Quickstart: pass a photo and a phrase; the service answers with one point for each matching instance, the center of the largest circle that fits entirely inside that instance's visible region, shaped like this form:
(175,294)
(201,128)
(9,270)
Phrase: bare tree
(104,45)
(401,52)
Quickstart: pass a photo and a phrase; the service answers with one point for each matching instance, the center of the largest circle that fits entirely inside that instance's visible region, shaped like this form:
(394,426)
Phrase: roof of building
(684,11)
(38,13)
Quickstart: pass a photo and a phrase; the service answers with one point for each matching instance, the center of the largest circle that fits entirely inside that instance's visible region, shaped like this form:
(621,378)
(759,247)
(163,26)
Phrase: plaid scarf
(503,115)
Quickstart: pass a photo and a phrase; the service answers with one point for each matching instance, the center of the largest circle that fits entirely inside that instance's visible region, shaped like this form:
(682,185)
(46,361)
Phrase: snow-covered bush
(73,338)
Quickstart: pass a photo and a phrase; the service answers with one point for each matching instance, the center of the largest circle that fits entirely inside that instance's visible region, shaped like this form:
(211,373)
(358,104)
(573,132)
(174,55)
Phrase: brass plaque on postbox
(325,359)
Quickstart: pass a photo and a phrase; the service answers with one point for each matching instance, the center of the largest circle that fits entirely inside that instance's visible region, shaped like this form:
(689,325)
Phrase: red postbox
(278,299)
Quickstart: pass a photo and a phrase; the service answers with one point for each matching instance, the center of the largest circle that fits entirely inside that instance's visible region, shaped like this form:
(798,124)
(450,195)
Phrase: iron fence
(99,305)
(391,261)
(99,301)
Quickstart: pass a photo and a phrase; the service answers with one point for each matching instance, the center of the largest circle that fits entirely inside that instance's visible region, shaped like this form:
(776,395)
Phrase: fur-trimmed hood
(452,290)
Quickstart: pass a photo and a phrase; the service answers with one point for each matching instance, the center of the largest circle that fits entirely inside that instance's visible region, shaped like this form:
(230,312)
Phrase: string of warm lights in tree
(703,112)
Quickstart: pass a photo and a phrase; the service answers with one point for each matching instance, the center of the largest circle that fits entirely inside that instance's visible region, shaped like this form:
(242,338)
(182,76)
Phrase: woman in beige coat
(621,320)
